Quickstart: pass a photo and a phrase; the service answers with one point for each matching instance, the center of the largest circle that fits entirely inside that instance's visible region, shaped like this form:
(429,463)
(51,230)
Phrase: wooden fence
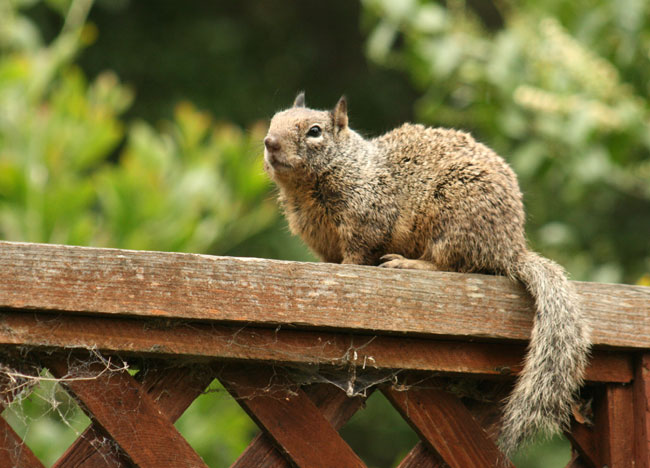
(249,322)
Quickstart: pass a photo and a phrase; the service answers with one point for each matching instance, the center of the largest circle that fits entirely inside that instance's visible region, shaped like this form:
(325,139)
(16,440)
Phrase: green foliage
(565,102)
(378,433)
(544,453)
(192,185)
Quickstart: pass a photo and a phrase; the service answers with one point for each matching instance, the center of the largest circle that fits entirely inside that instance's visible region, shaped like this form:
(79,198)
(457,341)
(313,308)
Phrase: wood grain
(614,426)
(583,441)
(123,409)
(447,426)
(422,456)
(333,404)
(265,292)
(172,388)
(486,414)
(289,417)
(641,389)
(201,340)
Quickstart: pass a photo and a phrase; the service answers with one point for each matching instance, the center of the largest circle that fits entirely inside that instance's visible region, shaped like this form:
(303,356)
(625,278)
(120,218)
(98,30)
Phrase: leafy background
(139,124)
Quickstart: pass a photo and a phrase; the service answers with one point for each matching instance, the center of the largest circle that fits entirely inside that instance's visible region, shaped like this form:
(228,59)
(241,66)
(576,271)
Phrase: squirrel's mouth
(276,161)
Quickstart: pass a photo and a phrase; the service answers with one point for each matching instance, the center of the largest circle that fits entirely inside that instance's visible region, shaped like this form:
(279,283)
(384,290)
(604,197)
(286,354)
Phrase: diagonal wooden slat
(289,417)
(94,448)
(422,456)
(333,404)
(447,426)
(14,453)
(172,388)
(122,408)
(487,414)
(641,392)
(582,439)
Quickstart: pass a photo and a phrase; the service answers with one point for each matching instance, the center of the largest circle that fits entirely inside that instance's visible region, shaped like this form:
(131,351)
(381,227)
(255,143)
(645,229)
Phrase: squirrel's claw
(393,261)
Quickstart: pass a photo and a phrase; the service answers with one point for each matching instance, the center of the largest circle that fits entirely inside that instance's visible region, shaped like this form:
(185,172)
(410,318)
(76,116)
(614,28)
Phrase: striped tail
(557,356)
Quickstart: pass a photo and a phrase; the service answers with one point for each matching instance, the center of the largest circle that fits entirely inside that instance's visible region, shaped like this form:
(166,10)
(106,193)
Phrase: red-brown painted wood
(200,340)
(188,286)
(422,456)
(333,404)
(642,412)
(172,388)
(614,426)
(289,417)
(113,301)
(485,414)
(583,440)
(447,426)
(123,409)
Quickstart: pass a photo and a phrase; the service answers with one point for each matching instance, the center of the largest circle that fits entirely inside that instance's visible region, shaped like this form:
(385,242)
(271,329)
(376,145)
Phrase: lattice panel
(300,424)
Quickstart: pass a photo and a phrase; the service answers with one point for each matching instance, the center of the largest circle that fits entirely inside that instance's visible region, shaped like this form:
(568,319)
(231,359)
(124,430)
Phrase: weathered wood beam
(204,340)
(265,292)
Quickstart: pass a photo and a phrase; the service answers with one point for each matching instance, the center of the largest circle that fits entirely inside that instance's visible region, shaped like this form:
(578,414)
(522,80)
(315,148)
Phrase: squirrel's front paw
(398,261)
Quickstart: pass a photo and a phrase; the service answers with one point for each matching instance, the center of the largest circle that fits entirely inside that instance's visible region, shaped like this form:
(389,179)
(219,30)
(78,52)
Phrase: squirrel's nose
(271,143)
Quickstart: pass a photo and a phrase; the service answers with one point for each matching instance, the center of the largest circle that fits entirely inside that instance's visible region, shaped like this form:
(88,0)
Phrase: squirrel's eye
(315,131)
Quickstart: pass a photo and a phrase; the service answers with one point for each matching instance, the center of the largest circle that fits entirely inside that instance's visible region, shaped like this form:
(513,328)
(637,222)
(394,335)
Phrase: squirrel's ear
(300,100)
(340,113)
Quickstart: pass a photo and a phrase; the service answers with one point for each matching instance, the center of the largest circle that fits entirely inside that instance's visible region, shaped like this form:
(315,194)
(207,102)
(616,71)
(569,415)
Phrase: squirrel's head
(302,141)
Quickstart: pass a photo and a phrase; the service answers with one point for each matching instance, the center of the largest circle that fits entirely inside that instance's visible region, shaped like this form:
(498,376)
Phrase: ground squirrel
(434,199)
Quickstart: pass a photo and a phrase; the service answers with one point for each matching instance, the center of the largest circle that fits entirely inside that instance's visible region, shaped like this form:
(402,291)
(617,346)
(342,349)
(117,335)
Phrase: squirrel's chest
(316,224)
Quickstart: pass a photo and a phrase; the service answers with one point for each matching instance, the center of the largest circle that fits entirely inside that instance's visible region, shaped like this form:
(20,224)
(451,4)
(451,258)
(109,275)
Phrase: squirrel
(431,199)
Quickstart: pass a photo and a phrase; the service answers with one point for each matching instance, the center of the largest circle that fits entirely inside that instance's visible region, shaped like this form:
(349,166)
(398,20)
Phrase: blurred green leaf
(189,185)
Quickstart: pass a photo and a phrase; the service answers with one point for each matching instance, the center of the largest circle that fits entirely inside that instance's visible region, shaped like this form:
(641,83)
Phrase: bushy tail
(556,359)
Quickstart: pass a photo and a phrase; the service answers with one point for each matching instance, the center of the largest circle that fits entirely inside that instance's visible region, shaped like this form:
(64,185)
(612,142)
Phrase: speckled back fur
(431,198)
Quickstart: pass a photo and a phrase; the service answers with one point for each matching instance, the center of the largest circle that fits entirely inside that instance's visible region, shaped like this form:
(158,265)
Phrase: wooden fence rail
(244,321)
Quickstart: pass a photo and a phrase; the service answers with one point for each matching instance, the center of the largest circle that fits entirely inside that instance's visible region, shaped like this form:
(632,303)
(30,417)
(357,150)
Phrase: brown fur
(430,198)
